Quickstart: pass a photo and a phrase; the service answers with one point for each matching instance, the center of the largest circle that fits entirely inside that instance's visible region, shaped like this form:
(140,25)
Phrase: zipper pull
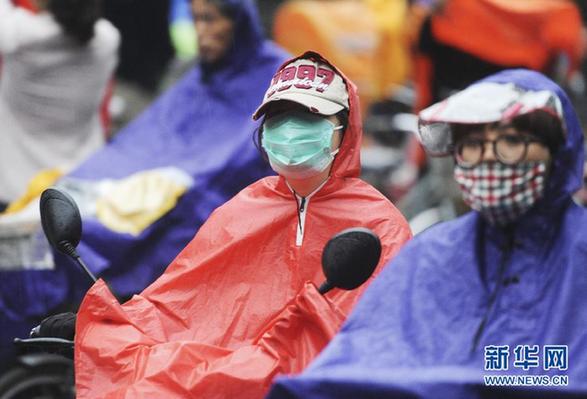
(303,204)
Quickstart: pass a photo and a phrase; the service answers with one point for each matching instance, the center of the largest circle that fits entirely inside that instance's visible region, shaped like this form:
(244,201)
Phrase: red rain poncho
(239,304)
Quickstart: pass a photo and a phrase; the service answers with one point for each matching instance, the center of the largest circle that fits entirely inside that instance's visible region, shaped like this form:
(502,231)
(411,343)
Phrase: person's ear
(336,140)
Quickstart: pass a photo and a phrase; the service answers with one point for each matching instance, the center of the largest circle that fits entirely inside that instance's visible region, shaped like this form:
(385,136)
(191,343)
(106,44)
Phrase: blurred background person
(186,154)
(56,65)
(55,68)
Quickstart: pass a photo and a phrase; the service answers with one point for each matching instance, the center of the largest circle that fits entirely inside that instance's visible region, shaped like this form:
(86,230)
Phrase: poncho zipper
(495,294)
(301,220)
(302,209)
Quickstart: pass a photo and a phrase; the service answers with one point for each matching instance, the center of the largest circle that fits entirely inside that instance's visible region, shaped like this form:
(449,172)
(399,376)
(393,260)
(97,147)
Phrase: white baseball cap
(310,82)
(480,103)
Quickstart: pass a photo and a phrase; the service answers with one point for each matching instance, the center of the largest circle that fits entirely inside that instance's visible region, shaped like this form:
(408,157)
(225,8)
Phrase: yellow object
(42,180)
(365,39)
(392,58)
(132,204)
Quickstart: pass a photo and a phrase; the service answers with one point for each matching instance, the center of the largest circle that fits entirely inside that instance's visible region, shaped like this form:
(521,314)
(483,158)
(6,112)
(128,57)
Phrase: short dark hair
(543,125)
(540,123)
(343,117)
(76,17)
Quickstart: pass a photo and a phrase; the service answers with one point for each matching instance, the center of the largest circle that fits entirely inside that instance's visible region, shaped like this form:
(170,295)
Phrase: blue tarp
(412,335)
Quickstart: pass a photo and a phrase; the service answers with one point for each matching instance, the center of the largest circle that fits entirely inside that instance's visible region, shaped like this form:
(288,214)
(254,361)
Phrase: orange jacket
(520,33)
(239,304)
(527,32)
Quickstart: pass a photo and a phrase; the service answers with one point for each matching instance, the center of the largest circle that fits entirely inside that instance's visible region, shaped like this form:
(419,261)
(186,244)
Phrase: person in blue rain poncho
(500,291)
(202,129)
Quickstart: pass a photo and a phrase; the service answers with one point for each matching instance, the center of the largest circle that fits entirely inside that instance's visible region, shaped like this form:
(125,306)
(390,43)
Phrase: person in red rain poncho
(239,304)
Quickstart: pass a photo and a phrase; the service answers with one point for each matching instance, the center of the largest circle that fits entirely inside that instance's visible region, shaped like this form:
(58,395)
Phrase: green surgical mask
(298,144)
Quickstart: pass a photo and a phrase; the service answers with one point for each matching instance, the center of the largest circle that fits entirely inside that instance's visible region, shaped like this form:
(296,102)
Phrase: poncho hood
(348,161)
(248,35)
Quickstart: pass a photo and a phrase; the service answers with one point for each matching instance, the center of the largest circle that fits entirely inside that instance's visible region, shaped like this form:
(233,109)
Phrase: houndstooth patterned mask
(502,193)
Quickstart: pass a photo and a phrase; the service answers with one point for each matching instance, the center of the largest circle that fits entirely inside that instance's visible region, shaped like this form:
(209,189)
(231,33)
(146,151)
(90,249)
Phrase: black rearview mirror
(61,220)
(349,259)
(62,224)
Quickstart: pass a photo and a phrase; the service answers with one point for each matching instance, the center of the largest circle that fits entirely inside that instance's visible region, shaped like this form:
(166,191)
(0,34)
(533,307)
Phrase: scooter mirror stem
(73,254)
(325,287)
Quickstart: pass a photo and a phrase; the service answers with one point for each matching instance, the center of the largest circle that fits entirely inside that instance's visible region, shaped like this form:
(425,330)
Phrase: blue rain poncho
(412,335)
(203,127)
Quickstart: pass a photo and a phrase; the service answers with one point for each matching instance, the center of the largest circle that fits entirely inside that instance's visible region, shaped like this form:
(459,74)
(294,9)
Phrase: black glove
(61,325)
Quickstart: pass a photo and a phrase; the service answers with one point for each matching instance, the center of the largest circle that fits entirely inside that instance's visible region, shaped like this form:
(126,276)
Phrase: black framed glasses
(509,149)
